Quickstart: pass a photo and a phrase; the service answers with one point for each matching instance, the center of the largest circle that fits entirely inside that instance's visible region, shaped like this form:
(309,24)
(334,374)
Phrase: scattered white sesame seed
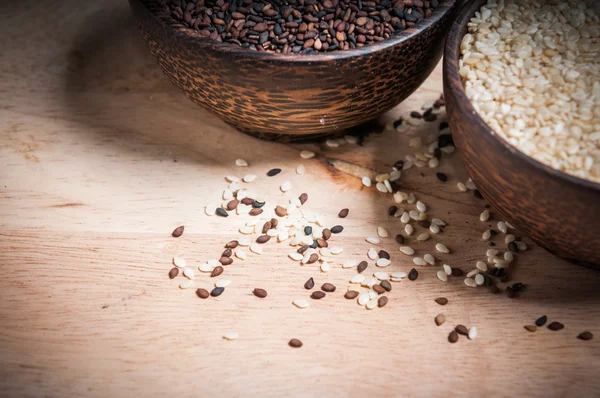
(336,250)
(363,298)
(429,259)
(300,303)
(447,269)
(383,262)
(508,256)
(366,181)
(381,187)
(484,216)
(509,238)
(382,232)
(307,154)
(409,251)
(243,242)
(232,179)
(409,229)
(470,282)
(502,227)
(434,228)
(283,235)
(438,222)
(222,283)
(388,186)
(350,263)
(479,279)
(486,235)
(470,185)
(256,248)
(398,212)
(296,256)
(213,262)
(286,186)
(462,187)
(398,197)
(422,216)
(481,265)
(241,163)
(324,251)
(186,284)
(332,143)
(423,237)
(509,225)
(350,139)
(473,272)
(358,278)
(300,170)
(433,163)
(440,247)
(179,262)
(246,230)
(230,336)
(398,276)
(411,199)
(442,276)
(491,252)
(419,261)
(522,246)
(306,257)
(372,293)
(325,266)
(414,215)
(473,333)
(210,210)
(382,276)
(372,254)
(405,218)
(448,149)
(372,304)
(227,194)
(395,175)
(189,273)
(249,177)
(204,267)
(373,240)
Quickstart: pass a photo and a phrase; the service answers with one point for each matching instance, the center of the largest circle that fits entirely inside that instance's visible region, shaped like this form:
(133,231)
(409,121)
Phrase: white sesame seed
(336,250)
(398,197)
(522,246)
(423,237)
(358,278)
(509,238)
(283,235)
(296,256)
(470,185)
(419,261)
(232,179)
(486,235)
(484,216)
(210,210)
(438,222)
(479,279)
(481,265)
(372,304)
(422,216)
(372,293)
(241,163)
(230,336)
(470,282)
(433,163)
(332,143)
(440,247)
(286,186)
(256,248)
(383,262)
(473,272)
(349,264)
(434,228)
(395,175)
(473,333)
(398,275)
(502,227)
(272,232)
(227,194)
(300,303)
(363,298)
(461,187)
(509,225)
(373,240)
(204,267)
(508,256)
(372,254)
(350,139)
(179,262)
(409,229)
(405,218)
(491,252)
(241,254)
(249,177)
(366,181)
(409,251)
(306,257)
(382,276)
(222,283)
(300,170)
(325,266)
(307,154)
(381,187)
(414,215)
(447,269)
(429,259)
(246,230)
(382,232)
(388,186)
(189,273)
(186,284)
(442,276)
(243,242)
(448,149)
(411,199)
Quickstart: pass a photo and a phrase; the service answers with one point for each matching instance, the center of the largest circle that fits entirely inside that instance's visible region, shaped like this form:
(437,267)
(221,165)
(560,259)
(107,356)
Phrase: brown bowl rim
(179,30)
(450,68)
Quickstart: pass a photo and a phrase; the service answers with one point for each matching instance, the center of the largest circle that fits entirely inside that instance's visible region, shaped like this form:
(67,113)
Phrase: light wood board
(101,157)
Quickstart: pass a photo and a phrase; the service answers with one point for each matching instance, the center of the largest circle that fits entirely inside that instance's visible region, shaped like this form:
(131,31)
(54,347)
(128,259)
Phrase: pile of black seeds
(299,26)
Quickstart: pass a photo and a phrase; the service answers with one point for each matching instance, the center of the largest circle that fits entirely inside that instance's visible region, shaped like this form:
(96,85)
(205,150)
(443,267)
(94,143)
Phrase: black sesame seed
(273,172)
(512,246)
(442,177)
(307,230)
(493,232)
(257,205)
(488,206)
(541,321)
(315,244)
(491,244)
(217,291)
(399,164)
(413,274)
(398,123)
(337,229)
(477,194)
(445,140)
(517,286)
(444,125)
(222,212)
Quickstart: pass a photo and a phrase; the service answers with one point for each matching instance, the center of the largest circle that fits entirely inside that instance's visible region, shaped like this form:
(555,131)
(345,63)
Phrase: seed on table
(386,285)
(383,254)
(419,261)
(307,154)
(222,212)
(260,293)
(440,319)
(362,266)
(317,295)
(241,163)
(477,194)
(186,284)
(447,269)
(188,273)
(382,301)
(216,271)
(441,275)
(286,186)
(351,294)
(486,235)
(336,230)
(424,223)
(227,253)
(303,198)
(462,187)
(378,289)
(409,251)
(429,259)
(202,293)
(472,333)
(263,239)
(457,272)
(453,337)
(177,232)
(470,282)
(232,244)
(328,287)
(358,278)
(300,303)
(484,216)
(247,201)
(399,239)
(255,212)
(409,229)
(310,283)
(530,328)
(413,274)
(280,211)
(392,210)
(217,291)
(343,213)
(226,260)
(335,250)
(442,177)
(326,234)
(374,240)
(462,329)
(541,321)
(479,279)
(383,262)
(555,326)
(441,300)
(273,172)
(585,336)
(295,343)
(512,246)
(173,273)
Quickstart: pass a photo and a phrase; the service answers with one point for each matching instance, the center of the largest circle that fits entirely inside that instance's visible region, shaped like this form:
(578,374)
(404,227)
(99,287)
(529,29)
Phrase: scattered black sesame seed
(399,164)
(315,244)
(512,246)
(337,229)
(217,291)
(222,212)
(491,244)
(416,115)
(541,321)
(398,123)
(488,206)
(493,232)
(413,274)
(517,286)
(273,172)
(555,326)
(307,230)
(585,336)
(442,177)
(444,125)
(445,140)
(477,194)
(257,205)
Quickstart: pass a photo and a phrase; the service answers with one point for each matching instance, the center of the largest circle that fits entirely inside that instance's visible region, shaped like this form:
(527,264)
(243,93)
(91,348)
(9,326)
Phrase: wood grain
(101,157)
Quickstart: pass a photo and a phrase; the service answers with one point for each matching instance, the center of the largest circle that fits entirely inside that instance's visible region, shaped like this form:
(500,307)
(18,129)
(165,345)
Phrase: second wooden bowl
(294,96)
(558,211)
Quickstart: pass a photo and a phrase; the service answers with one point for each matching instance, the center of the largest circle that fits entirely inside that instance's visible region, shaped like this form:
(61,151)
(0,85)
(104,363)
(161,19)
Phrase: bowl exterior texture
(278,96)
(559,212)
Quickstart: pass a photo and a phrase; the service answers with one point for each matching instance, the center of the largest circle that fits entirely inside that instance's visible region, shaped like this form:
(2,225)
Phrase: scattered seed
(317,295)
(221,212)
(484,216)
(453,337)
(186,284)
(366,181)
(358,278)
(280,211)
(335,250)
(179,262)
(300,170)
(442,177)
(226,260)
(260,293)
(188,273)
(307,154)
(217,291)
(373,240)
(383,262)
(310,283)
(441,275)
(273,172)
(399,239)
(440,319)
(585,336)
(202,293)
(263,239)
(419,261)
(472,333)
(470,282)
(530,328)
(541,321)
(409,251)
(173,273)
(386,285)
(486,235)
(424,223)
(255,248)
(383,300)
(351,294)
(216,271)
(392,210)
(441,300)
(382,232)
(362,266)
(295,343)
(343,213)
(413,275)
(363,298)
(555,326)
(177,232)
(429,259)
(232,244)
(227,253)
(462,329)
(409,229)
(241,163)
(462,187)
(378,289)
(286,186)
(337,229)
(300,303)
(512,246)
(477,194)
(328,287)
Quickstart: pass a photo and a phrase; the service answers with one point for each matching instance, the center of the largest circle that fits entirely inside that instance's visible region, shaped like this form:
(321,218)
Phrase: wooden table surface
(101,157)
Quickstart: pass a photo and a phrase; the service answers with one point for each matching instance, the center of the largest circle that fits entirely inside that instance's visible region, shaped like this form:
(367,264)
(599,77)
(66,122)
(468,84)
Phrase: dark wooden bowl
(290,96)
(558,211)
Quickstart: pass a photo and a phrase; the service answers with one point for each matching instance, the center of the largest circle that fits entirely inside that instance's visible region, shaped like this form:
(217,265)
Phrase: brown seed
(337,229)
(362,266)
(227,253)
(440,319)
(317,295)
(351,294)
(202,293)
(225,260)
(424,223)
(232,244)
(267,226)
(462,329)
(383,254)
(399,239)
(302,249)
(218,270)
(378,289)
(263,239)
(453,337)
(530,328)
(457,272)
(303,198)
(256,211)
(441,300)
(494,289)
(233,204)
(383,300)
(343,213)
(413,275)
(173,273)
(386,285)
(328,287)
(322,242)
(585,336)
(313,258)
(310,283)
(555,326)
(247,201)
(177,232)
(274,223)
(295,343)
(280,211)
(260,293)
(326,234)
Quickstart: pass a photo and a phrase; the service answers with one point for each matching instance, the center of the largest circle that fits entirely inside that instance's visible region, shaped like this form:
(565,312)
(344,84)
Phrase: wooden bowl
(294,96)
(558,211)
